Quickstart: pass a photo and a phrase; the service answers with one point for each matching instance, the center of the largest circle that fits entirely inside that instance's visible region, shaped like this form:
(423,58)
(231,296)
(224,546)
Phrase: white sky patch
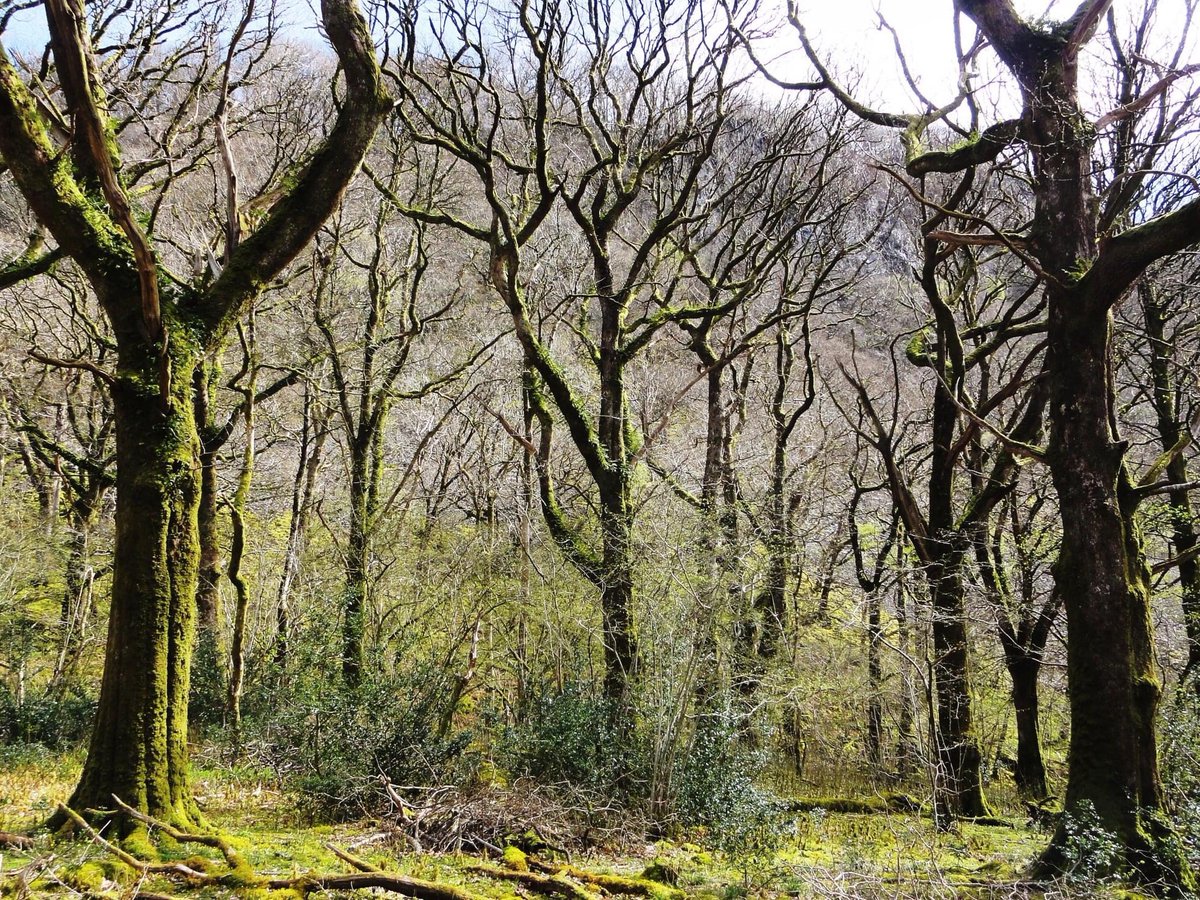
(862,53)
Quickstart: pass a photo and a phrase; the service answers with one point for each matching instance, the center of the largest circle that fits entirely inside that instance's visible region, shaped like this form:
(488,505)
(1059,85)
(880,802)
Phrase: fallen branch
(613,884)
(885,803)
(553,885)
(10,841)
(387,881)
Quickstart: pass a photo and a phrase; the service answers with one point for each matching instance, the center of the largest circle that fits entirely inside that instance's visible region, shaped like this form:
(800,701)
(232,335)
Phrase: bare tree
(162,325)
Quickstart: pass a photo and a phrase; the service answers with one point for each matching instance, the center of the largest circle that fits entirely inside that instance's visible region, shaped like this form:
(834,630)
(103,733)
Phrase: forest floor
(826,854)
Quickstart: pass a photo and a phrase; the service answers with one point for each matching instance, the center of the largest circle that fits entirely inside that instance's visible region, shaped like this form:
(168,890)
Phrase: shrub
(568,737)
(54,720)
(1181,766)
(337,748)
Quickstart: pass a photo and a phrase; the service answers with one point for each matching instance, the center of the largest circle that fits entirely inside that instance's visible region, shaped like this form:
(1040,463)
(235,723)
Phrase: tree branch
(295,219)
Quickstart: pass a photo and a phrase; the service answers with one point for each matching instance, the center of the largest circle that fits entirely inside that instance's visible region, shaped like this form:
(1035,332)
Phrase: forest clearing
(664,448)
(814,854)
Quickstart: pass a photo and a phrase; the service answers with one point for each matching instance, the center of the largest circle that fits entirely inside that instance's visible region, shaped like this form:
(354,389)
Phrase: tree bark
(139,744)
(1171,431)
(355,590)
(875,680)
(1030,771)
(617,595)
(1102,571)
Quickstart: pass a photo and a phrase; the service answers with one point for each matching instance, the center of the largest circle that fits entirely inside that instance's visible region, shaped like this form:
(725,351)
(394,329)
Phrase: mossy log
(550,885)
(882,803)
(612,884)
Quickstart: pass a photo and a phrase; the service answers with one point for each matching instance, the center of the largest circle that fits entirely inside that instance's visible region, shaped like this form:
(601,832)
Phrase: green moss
(138,844)
(515,859)
(917,349)
(88,878)
(662,872)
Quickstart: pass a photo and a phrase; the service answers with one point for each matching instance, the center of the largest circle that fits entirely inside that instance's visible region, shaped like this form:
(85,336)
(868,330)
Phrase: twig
(108,377)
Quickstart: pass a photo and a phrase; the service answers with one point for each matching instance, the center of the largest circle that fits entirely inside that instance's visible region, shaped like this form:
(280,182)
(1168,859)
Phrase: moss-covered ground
(818,854)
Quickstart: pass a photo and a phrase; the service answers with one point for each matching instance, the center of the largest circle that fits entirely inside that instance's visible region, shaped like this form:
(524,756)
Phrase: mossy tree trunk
(355,589)
(959,760)
(1102,572)
(1030,770)
(209,614)
(1114,688)
(138,749)
(139,744)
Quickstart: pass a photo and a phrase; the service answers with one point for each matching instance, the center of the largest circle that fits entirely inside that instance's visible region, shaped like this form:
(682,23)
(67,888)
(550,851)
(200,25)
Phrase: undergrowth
(811,854)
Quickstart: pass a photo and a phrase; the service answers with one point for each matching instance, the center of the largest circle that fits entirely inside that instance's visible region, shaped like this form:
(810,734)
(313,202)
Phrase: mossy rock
(514,858)
(661,872)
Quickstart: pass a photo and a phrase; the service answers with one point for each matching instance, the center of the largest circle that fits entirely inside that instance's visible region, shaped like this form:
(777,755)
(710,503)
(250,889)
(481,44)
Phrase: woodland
(467,449)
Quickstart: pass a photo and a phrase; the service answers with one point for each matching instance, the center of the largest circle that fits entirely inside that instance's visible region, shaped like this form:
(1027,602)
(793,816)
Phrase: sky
(865,52)
(847,30)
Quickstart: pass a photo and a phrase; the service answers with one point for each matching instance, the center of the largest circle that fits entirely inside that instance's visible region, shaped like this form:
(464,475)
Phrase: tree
(973,348)
(377,268)
(1087,251)
(591,150)
(1025,617)
(162,324)
(1162,300)
(1088,262)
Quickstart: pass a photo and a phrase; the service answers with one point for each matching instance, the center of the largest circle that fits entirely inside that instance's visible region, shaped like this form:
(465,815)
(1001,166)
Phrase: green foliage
(715,789)
(206,701)
(1181,767)
(55,720)
(1090,851)
(715,783)
(569,737)
(336,747)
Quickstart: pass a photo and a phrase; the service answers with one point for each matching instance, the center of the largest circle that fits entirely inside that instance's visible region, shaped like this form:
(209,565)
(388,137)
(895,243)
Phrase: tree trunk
(138,749)
(237,549)
(212,664)
(960,763)
(1171,431)
(1114,691)
(312,444)
(1030,771)
(874,680)
(354,593)
(907,755)
(208,595)
(616,602)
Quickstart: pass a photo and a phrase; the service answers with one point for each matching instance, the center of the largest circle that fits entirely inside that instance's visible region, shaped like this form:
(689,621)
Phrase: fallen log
(10,841)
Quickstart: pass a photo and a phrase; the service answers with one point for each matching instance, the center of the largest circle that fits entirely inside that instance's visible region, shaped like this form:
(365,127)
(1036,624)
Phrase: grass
(815,854)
